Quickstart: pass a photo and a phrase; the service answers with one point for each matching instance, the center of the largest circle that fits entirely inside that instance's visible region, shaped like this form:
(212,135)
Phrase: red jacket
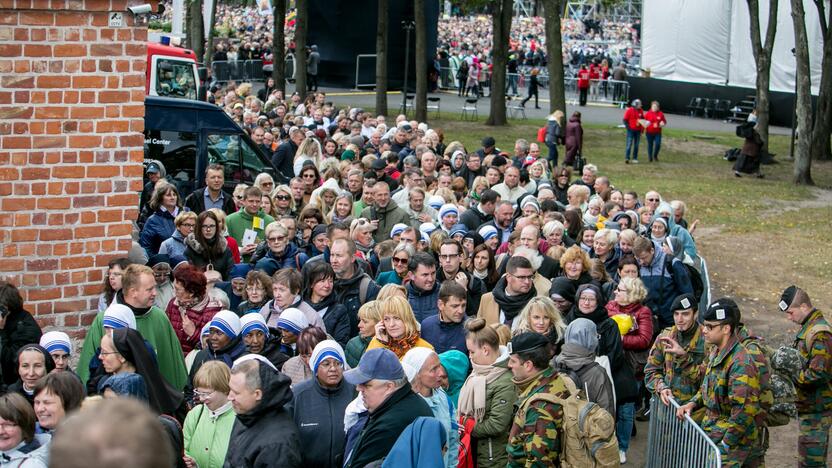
(200,314)
(631,116)
(640,336)
(583,79)
(593,73)
(655,118)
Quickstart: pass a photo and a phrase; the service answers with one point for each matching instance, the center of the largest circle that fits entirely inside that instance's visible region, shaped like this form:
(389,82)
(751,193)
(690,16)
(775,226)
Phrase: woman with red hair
(191,307)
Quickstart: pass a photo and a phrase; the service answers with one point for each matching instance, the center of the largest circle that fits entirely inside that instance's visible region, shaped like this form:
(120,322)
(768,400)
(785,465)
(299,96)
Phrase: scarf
(473,393)
(574,356)
(480,274)
(365,249)
(522,384)
(511,305)
(400,346)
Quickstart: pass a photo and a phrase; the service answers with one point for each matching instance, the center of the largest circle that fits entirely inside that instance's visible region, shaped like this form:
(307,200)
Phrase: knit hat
(531,201)
(591,288)
(447,209)
(324,350)
(397,229)
(474,236)
(564,288)
(125,384)
(317,231)
(457,229)
(348,155)
(56,341)
(239,271)
(227,322)
(487,232)
(582,332)
(661,221)
(436,202)
(118,316)
(254,357)
(251,322)
(414,359)
(293,320)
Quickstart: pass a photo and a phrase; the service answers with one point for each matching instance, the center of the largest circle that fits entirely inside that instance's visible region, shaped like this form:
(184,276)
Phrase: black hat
(488,142)
(152,168)
(723,310)
(527,341)
(684,302)
(787,298)
(379,164)
(475,236)
(563,287)
(499,161)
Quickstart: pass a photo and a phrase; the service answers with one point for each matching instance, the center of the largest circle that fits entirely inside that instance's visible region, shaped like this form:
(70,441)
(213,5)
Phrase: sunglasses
(283,197)
(400,261)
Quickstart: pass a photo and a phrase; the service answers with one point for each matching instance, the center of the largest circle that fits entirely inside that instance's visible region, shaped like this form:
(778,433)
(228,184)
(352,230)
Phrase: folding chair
(433,104)
(469,109)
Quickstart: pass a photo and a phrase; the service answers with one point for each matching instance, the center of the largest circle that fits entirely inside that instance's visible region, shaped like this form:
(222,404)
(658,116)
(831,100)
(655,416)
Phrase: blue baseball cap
(378,363)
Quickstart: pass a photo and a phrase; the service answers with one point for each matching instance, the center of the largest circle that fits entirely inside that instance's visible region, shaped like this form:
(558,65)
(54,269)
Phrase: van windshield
(175,78)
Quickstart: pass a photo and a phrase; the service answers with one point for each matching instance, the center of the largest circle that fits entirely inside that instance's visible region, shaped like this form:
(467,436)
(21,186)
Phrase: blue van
(186,136)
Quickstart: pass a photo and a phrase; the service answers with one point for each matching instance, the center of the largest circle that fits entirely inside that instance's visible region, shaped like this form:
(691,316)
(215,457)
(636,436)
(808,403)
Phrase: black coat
(474,218)
(196,202)
(266,436)
(21,329)
(385,424)
(200,258)
(319,414)
(283,160)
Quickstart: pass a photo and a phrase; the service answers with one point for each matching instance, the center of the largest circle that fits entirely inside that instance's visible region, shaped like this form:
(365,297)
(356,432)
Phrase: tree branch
(771,29)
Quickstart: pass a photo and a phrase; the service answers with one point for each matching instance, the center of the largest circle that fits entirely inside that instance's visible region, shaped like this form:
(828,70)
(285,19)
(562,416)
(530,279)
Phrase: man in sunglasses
(732,390)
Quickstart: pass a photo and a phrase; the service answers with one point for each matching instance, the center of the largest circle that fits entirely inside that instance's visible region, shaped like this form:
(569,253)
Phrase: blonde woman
(342,209)
(264,182)
(391,290)
(309,150)
(239,190)
(323,198)
(554,135)
(284,203)
(361,232)
(575,265)
(368,316)
(577,196)
(398,330)
(541,316)
(537,171)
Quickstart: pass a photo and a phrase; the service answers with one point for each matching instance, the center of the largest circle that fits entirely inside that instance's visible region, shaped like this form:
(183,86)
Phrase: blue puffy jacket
(158,228)
(665,279)
(424,303)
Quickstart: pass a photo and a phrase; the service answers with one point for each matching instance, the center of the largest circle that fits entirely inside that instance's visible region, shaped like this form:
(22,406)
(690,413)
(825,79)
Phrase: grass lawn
(758,236)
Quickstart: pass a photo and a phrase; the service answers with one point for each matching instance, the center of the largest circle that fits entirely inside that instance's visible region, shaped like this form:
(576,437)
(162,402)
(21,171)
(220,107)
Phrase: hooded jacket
(665,280)
(266,260)
(319,415)
(675,230)
(266,436)
(20,330)
(35,454)
(174,247)
(200,258)
(335,319)
(387,217)
(574,139)
(577,361)
(355,349)
(474,218)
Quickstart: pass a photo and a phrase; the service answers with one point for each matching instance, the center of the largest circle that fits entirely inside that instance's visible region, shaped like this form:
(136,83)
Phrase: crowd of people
(386,295)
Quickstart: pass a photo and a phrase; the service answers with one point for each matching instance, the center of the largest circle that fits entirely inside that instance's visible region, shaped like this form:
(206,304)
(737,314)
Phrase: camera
(138,10)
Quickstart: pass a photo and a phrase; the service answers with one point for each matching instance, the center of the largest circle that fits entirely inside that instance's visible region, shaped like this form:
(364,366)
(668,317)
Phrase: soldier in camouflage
(676,364)
(730,391)
(537,431)
(814,380)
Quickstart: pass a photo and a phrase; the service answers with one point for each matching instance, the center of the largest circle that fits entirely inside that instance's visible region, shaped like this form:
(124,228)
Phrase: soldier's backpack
(588,430)
(775,387)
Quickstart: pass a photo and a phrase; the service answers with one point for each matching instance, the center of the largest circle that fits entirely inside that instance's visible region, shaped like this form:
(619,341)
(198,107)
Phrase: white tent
(709,41)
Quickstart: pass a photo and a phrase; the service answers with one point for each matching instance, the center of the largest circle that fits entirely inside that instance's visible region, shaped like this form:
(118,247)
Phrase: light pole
(408,26)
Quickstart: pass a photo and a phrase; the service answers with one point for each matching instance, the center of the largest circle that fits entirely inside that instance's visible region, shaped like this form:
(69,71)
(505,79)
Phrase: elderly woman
(284,203)
(361,232)
(318,299)
(486,400)
(541,315)
(260,340)
(604,249)
(33,362)
(577,360)
(298,367)
(258,292)
(191,308)
(278,252)
(626,240)
(206,248)
(19,446)
(165,204)
(577,197)
(368,316)
(225,344)
(658,231)
(57,395)
(264,182)
(59,346)
(398,330)
(553,233)
(574,264)
(287,285)
(239,190)
(400,259)
(207,428)
(174,247)
(342,209)
(319,405)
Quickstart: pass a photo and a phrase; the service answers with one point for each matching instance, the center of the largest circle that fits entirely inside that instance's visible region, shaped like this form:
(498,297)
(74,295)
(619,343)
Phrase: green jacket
(492,431)
(238,222)
(387,217)
(814,383)
(355,349)
(206,435)
(156,329)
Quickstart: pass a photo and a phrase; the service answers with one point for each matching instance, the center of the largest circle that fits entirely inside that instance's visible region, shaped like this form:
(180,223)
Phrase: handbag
(580,162)
(466,442)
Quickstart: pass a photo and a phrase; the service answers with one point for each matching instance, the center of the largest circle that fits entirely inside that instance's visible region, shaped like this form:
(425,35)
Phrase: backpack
(588,430)
(541,135)
(695,277)
(745,130)
(774,385)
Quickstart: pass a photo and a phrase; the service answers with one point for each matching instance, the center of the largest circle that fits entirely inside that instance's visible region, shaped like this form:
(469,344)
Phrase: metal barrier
(678,443)
(240,70)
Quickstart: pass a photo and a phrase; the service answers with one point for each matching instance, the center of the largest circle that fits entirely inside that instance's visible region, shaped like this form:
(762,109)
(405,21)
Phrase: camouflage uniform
(814,390)
(753,344)
(682,375)
(730,394)
(535,440)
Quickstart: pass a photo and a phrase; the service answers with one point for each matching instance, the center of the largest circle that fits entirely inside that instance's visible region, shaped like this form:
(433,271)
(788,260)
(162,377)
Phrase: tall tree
(279,46)
(802,173)
(762,57)
(196,28)
(501,27)
(381,57)
(209,48)
(301,28)
(823,117)
(554,50)
(421,61)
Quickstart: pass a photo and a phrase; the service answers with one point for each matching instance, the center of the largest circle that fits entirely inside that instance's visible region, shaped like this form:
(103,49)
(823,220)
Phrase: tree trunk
(301,22)
(209,48)
(501,23)
(381,57)
(196,29)
(554,50)
(279,46)
(421,61)
(803,151)
(762,57)
(823,118)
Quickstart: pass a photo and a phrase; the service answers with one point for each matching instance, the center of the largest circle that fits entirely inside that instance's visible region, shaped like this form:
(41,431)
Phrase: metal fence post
(678,443)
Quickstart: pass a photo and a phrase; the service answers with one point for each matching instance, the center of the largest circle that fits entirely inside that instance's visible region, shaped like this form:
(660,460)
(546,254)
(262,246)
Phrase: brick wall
(71,116)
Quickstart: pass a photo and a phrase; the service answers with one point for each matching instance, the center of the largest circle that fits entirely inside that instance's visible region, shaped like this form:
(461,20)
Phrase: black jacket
(385,424)
(271,351)
(474,218)
(319,414)
(196,202)
(348,292)
(21,329)
(335,318)
(476,288)
(266,436)
(200,258)
(283,160)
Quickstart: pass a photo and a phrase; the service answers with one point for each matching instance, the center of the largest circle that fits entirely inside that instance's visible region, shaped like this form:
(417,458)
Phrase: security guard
(677,361)
(537,431)
(814,382)
(730,391)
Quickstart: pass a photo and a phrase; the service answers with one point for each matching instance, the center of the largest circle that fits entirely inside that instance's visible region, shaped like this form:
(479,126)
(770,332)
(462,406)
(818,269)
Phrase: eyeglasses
(588,299)
(308,176)
(189,225)
(652,199)
(711,326)
(105,353)
(622,291)
(283,197)
(448,257)
(332,364)
(270,184)
(400,261)
(523,278)
(254,289)
(7,425)
(238,197)
(277,239)
(209,226)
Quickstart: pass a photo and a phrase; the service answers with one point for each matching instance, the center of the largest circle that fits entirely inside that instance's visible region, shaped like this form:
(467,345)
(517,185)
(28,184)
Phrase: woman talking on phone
(398,330)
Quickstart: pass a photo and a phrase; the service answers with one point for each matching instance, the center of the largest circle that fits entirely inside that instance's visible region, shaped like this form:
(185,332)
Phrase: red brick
(106,50)
(106,171)
(51,112)
(87,81)
(10,50)
(88,202)
(36,18)
(17,82)
(35,173)
(9,173)
(8,113)
(84,141)
(42,264)
(37,50)
(72,19)
(17,142)
(70,50)
(106,97)
(87,112)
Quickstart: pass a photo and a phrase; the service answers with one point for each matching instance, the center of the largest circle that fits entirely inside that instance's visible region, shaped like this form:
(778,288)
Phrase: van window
(175,78)
(225,151)
(177,152)
(253,165)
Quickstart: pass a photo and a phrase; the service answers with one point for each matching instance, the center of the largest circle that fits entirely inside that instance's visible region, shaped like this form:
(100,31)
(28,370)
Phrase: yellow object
(624,322)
